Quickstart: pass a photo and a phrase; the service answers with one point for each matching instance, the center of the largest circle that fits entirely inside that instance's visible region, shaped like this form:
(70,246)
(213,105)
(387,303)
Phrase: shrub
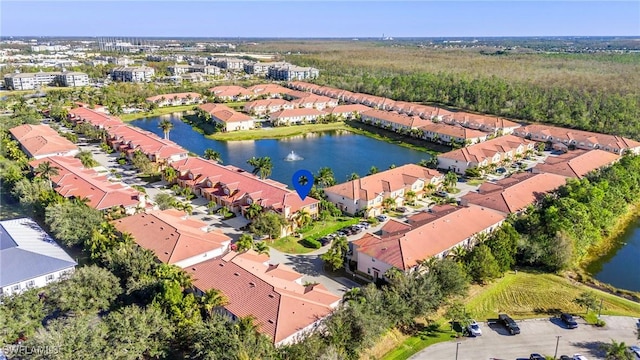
(311,243)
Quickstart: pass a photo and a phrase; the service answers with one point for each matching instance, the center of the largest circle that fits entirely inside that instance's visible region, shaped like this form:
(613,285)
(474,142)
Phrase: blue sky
(319,19)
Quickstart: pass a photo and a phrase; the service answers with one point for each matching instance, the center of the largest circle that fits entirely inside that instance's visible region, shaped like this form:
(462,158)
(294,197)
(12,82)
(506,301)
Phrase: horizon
(320,19)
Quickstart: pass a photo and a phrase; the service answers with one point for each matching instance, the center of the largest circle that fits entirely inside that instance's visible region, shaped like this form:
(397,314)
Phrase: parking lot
(537,336)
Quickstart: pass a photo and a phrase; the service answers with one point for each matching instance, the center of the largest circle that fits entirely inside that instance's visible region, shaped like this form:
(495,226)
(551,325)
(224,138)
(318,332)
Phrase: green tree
(268,223)
(45,170)
(473,172)
(457,314)
(373,170)
(244,243)
(587,300)
(336,254)
(212,299)
(87,160)
(503,243)
(170,174)
(166,127)
(450,180)
(211,154)
(324,178)
(89,289)
(165,201)
(482,265)
(389,203)
(142,162)
(617,351)
(72,223)
(261,247)
(22,314)
(353,176)
(302,218)
(262,166)
(253,211)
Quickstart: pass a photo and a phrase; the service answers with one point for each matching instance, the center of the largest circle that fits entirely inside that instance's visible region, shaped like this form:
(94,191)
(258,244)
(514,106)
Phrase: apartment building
(260,68)
(30,81)
(197,68)
(133,74)
(292,72)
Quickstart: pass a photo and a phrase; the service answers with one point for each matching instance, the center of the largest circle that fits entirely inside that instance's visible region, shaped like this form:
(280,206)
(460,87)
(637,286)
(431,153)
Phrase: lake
(343,152)
(618,266)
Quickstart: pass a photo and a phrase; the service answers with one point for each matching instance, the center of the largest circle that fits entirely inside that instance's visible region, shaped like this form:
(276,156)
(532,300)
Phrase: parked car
(401,209)
(382,217)
(635,350)
(536,356)
(324,241)
(501,170)
(565,357)
(568,320)
(441,193)
(365,224)
(474,329)
(579,357)
(509,323)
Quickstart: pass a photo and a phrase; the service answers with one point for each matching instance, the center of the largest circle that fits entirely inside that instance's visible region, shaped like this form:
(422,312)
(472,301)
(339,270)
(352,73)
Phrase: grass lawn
(475,182)
(529,295)
(157,112)
(277,132)
(437,332)
(318,229)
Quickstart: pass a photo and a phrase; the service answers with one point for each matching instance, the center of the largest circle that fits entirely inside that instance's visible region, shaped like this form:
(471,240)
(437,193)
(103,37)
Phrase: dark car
(509,323)
(568,320)
(536,356)
(441,193)
(401,209)
(324,241)
(565,357)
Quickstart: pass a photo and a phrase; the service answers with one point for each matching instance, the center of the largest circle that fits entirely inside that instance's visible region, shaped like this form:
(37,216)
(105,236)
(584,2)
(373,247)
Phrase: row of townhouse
(367,194)
(236,189)
(75,181)
(283,307)
(175,99)
(29,81)
(39,141)
(227,118)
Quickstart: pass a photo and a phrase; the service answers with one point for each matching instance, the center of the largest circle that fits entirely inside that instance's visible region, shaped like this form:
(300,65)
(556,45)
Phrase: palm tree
(87,160)
(261,166)
(211,205)
(450,179)
(211,154)
(373,170)
(46,171)
(353,176)
(325,177)
(212,299)
(261,247)
(253,211)
(166,127)
(244,243)
(170,174)
(458,253)
(388,203)
(617,351)
(301,218)
(410,196)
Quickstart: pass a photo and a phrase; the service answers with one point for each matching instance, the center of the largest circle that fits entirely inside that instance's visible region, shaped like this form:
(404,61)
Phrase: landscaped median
(521,295)
(296,245)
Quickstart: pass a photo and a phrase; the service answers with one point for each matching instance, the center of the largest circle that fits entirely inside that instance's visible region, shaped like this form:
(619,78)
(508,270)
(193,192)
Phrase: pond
(343,152)
(618,266)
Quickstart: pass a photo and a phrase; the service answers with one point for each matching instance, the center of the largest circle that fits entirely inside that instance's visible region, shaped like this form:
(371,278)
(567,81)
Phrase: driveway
(538,335)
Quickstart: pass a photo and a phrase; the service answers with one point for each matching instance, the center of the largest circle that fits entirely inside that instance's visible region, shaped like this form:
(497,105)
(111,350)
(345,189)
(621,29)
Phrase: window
(368,270)
(16,287)
(49,277)
(31,284)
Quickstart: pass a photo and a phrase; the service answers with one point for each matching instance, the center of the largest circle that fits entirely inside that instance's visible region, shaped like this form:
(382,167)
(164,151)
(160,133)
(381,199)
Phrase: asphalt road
(539,335)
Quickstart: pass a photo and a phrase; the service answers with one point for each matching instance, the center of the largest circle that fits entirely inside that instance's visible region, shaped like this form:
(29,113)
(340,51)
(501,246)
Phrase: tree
(389,203)
(335,257)
(212,299)
(253,211)
(450,180)
(473,172)
(87,160)
(268,223)
(450,276)
(262,166)
(165,201)
(89,289)
(587,300)
(22,314)
(302,218)
(458,253)
(142,162)
(353,176)
(45,170)
(72,223)
(261,247)
(244,243)
(30,192)
(211,154)
(617,351)
(457,313)
(325,177)
(166,127)
(482,265)
(170,174)
(410,196)
(373,170)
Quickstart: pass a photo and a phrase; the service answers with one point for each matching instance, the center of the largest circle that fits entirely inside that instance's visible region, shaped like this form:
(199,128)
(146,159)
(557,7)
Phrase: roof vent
(221,264)
(161,227)
(271,296)
(194,269)
(271,321)
(252,284)
(236,274)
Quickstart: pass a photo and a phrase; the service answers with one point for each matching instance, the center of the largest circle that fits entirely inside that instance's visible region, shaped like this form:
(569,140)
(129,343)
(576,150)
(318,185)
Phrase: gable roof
(395,118)
(289,113)
(171,235)
(224,113)
(184,95)
(147,142)
(514,193)
(577,163)
(27,252)
(230,91)
(571,135)
(95,118)
(479,152)
(40,140)
(348,109)
(453,131)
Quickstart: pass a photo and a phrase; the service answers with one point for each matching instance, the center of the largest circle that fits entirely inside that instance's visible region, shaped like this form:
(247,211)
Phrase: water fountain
(293,157)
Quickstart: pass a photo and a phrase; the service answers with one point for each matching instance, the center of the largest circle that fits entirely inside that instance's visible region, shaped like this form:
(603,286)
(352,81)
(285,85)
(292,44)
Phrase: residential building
(492,124)
(283,307)
(129,139)
(348,111)
(393,121)
(429,235)
(318,102)
(176,99)
(227,118)
(75,181)
(237,189)
(295,116)
(267,106)
(295,94)
(261,68)
(231,64)
(174,237)
(30,258)
(231,93)
(29,81)
(367,194)
(268,90)
(488,153)
(562,138)
(576,163)
(98,119)
(178,69)
(292,72)
(191,77)
(514,193)
(451,134)
(38,141)
(133,74)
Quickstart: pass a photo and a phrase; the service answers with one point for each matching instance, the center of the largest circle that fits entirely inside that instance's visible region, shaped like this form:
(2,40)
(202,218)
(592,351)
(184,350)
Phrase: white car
(579,357)
(474,328)
(635,350)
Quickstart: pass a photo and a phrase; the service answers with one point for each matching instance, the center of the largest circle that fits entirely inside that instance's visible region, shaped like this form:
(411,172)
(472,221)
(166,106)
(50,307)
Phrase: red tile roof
(280,305)
(73,180)
(577,163)
(169,97)
(300,112)
(95,118)
(482,121)
(429,239)
(224,113)
(453,131)
(171,235)
(147,142)
(230,91)
(349,109)
(267,89)
(395,118)
(569,135)
(41,140)
(514,193)
(486,150)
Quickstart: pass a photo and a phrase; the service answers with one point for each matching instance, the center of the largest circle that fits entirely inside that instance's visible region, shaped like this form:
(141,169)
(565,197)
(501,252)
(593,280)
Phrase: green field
(429,335)
(293,245)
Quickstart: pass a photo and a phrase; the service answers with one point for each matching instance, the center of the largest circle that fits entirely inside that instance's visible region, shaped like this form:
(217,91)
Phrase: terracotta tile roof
(514,193)
(300,112)
(230,91)
(172,96)
(312,100)
(577,163)
(453,131)
(395,118)
(172,236)
(482,121)
(267,89)
(394,226)
(568,135)
(266,103)
(403,251)
(270,293)
(41,140)
(298,94)
(369,187)
(95,118)
(270,193)
(146,141)
(349,109)
(73,180)
(224,113)
(477,153)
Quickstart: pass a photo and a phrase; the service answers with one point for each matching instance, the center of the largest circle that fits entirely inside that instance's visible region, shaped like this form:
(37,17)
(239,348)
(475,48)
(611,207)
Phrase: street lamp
(457,345)
(557,342)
